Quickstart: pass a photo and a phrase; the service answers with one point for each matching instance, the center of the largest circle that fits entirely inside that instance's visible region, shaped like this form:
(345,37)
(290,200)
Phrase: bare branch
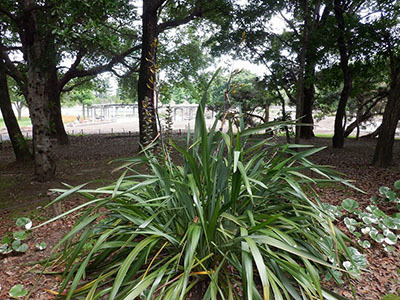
(291,25)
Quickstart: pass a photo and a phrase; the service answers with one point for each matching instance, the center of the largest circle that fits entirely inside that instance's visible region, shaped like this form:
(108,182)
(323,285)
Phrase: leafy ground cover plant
(238,220)
(14,243)
(372,224)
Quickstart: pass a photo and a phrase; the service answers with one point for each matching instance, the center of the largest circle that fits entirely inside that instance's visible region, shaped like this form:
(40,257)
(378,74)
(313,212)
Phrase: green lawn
(25,121)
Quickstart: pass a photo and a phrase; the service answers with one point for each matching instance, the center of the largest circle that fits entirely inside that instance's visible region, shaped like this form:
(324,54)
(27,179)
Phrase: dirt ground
(87,159)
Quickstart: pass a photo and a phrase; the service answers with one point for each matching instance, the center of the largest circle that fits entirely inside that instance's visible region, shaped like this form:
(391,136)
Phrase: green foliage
(372,225)
(41,246)
(18,291)
(246,92)
(238,219)
(15,244)
(391,297)
(127,88)
(81,96)
(25,121)
(388,195)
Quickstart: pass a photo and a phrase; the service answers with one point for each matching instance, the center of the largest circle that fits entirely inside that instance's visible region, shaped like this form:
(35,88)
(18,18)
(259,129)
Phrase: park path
(131,126)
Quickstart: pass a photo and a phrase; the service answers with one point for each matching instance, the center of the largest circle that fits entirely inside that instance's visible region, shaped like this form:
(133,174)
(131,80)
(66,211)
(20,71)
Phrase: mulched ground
(87,159)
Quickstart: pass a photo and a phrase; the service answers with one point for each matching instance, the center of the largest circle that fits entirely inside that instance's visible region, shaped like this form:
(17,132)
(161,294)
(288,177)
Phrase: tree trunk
(307,131)
(339,134)
(338,137)
(355,124)
(266,113)
(57,125)
(19,111)
(35,45)
(147,79)
(20,146)
(373,134)
(384,147)
(302,62)
(57,128)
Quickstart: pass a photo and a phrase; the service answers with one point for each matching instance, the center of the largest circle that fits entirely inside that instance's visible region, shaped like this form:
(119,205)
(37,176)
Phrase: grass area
(26,121)
(324,135)
(330,135)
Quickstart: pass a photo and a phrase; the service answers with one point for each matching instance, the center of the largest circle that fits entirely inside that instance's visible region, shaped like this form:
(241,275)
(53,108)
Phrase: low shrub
(238,220)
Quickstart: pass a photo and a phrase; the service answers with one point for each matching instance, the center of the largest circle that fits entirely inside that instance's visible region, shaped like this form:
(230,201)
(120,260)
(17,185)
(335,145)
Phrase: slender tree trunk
(147,81)
(57,124)
(35,45)
(20,146)
(338,137)
(287,133)
(307,132)
(266,113)
(355,124)
(19,111)
(384,148)
(302,60)
(339,131)
(373,134)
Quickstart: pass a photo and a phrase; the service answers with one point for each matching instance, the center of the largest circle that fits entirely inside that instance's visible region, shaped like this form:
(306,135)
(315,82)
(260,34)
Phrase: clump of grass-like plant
(238,220)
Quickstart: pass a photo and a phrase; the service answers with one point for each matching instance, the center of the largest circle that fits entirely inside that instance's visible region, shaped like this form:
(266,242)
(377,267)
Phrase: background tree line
(334,56)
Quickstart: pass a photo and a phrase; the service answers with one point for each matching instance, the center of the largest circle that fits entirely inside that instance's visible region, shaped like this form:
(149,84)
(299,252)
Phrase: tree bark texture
(19,144)
(338,137)
(147,81)
(384,148)
(36,45)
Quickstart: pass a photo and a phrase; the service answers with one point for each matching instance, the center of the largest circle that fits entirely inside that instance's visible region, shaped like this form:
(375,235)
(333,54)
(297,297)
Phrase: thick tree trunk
(35,45)
(384,148)
(147,81)
(338,137)
(40,116)
(20,146)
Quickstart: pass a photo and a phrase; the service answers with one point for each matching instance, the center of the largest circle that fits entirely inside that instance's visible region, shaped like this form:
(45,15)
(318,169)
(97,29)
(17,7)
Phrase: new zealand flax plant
(237,220)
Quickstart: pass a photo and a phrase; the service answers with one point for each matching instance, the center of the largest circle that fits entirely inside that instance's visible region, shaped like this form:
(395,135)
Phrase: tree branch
(8,14)
(12,70)
(177,22)
(289,23)
(74,72)
(70,88)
